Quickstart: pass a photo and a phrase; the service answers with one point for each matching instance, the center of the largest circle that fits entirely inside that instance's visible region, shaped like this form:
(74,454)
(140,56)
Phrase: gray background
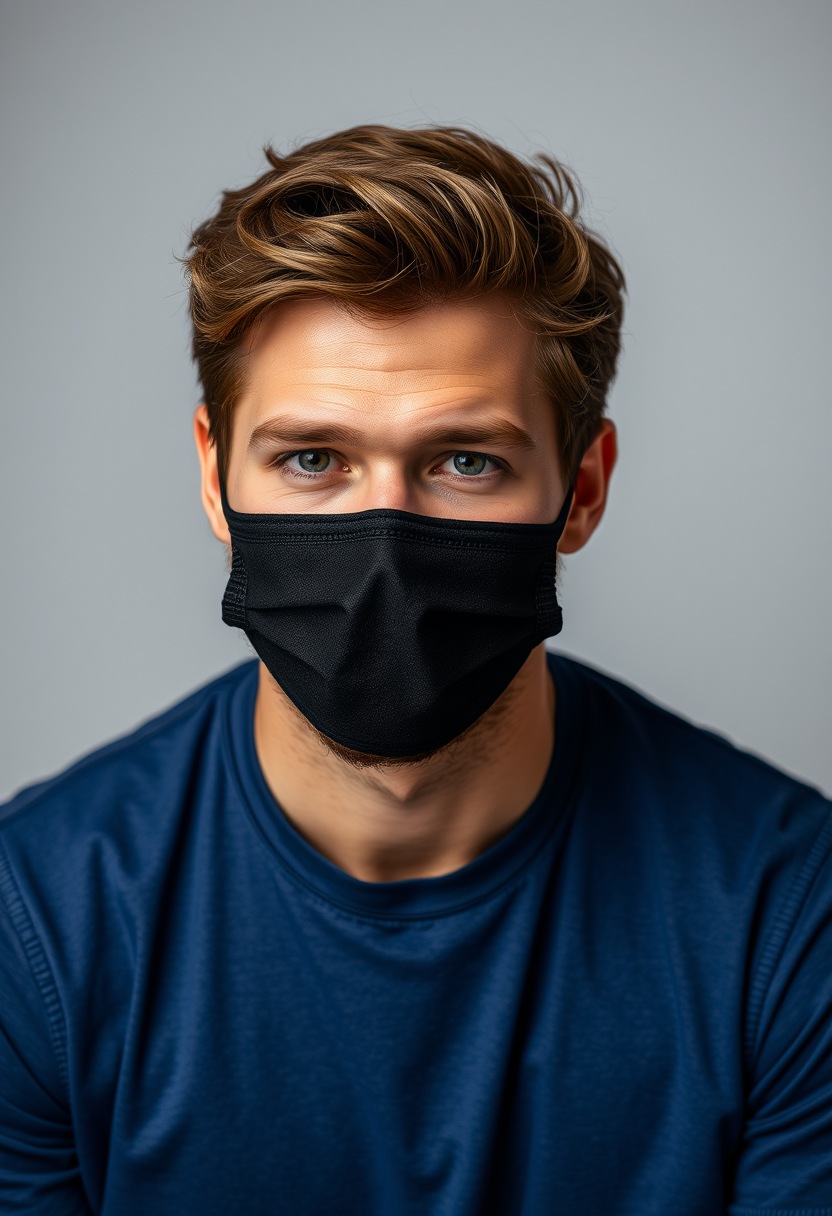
(700,133)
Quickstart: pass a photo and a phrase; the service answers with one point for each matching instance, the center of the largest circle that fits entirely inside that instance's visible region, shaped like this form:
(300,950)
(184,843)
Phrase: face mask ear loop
(563,514)
(549,612)
(227,509)
(234,597)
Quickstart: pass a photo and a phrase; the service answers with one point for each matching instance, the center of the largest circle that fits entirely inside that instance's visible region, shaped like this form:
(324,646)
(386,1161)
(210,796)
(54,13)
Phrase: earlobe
(591,489)
(210,490)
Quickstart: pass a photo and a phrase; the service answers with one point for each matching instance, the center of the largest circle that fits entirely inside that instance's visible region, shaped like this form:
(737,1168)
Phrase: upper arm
(785,1159)
(39,1169)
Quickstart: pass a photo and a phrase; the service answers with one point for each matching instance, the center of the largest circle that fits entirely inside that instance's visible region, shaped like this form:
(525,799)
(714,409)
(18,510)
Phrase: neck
(393,821)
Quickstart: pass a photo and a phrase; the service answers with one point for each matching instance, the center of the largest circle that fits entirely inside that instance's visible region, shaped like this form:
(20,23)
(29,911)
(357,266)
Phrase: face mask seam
(515,546)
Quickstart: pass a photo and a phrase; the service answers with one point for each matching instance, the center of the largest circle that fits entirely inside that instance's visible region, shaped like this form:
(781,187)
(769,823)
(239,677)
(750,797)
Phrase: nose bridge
(389,481)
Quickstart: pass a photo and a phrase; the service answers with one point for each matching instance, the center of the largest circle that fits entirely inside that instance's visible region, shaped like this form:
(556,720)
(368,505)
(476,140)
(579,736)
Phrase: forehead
(314,346)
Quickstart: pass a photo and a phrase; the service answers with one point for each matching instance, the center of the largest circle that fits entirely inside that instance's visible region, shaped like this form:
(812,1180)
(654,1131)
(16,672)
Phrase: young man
(406,915)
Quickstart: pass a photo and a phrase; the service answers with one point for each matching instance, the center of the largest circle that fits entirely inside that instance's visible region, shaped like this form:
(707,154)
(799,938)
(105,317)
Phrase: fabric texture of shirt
(623,1007)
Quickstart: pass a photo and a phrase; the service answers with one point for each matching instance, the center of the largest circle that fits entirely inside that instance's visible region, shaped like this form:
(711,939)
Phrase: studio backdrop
(700,133)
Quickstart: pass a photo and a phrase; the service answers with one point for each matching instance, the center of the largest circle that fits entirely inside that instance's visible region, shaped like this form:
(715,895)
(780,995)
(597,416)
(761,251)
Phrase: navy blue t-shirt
(620,1008)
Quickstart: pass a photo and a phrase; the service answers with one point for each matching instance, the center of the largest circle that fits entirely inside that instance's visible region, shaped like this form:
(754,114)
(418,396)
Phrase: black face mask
(391,632)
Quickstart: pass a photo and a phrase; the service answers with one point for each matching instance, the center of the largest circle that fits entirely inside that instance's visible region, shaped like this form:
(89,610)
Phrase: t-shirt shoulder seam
(38,965)
(780,930)
(29,797)
(612,684)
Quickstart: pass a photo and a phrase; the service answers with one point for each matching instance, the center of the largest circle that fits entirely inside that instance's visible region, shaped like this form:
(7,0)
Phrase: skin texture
(383,410)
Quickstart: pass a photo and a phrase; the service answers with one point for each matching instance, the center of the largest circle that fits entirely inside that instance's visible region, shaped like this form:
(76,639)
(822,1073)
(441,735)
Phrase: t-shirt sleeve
(784,1164)
(38,1163)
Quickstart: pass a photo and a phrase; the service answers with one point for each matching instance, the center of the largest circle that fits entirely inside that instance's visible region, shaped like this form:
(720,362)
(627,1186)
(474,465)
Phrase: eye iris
(469,463)
(313,461)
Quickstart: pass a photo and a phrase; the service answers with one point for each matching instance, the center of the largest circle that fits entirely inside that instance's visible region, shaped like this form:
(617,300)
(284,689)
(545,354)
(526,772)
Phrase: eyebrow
(284,428)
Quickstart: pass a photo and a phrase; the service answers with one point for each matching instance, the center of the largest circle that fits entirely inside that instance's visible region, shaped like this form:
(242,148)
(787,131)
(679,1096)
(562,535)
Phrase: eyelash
(281,462)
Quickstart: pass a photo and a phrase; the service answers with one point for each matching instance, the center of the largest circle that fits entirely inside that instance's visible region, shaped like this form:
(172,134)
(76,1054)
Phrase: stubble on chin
(470,747)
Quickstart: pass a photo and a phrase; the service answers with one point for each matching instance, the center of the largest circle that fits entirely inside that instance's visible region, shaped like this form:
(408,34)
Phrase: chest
(528,1058)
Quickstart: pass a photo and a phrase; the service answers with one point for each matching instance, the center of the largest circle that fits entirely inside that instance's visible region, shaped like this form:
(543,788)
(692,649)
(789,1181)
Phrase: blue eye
(471,464)
(314,460)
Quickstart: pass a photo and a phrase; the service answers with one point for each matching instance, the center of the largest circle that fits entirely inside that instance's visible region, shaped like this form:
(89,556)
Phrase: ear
(207,452)
(591,488)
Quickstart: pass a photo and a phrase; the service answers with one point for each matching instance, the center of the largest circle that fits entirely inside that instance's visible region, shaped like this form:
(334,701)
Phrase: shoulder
(713,851)
(637,733)
(89,858)
(126,789)
(712,811)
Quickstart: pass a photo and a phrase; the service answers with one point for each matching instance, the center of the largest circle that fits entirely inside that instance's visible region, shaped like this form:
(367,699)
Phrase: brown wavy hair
(386,219)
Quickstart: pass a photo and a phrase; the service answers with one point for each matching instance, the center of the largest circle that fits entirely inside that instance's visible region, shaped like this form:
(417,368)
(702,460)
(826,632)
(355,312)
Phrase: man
(407,915)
